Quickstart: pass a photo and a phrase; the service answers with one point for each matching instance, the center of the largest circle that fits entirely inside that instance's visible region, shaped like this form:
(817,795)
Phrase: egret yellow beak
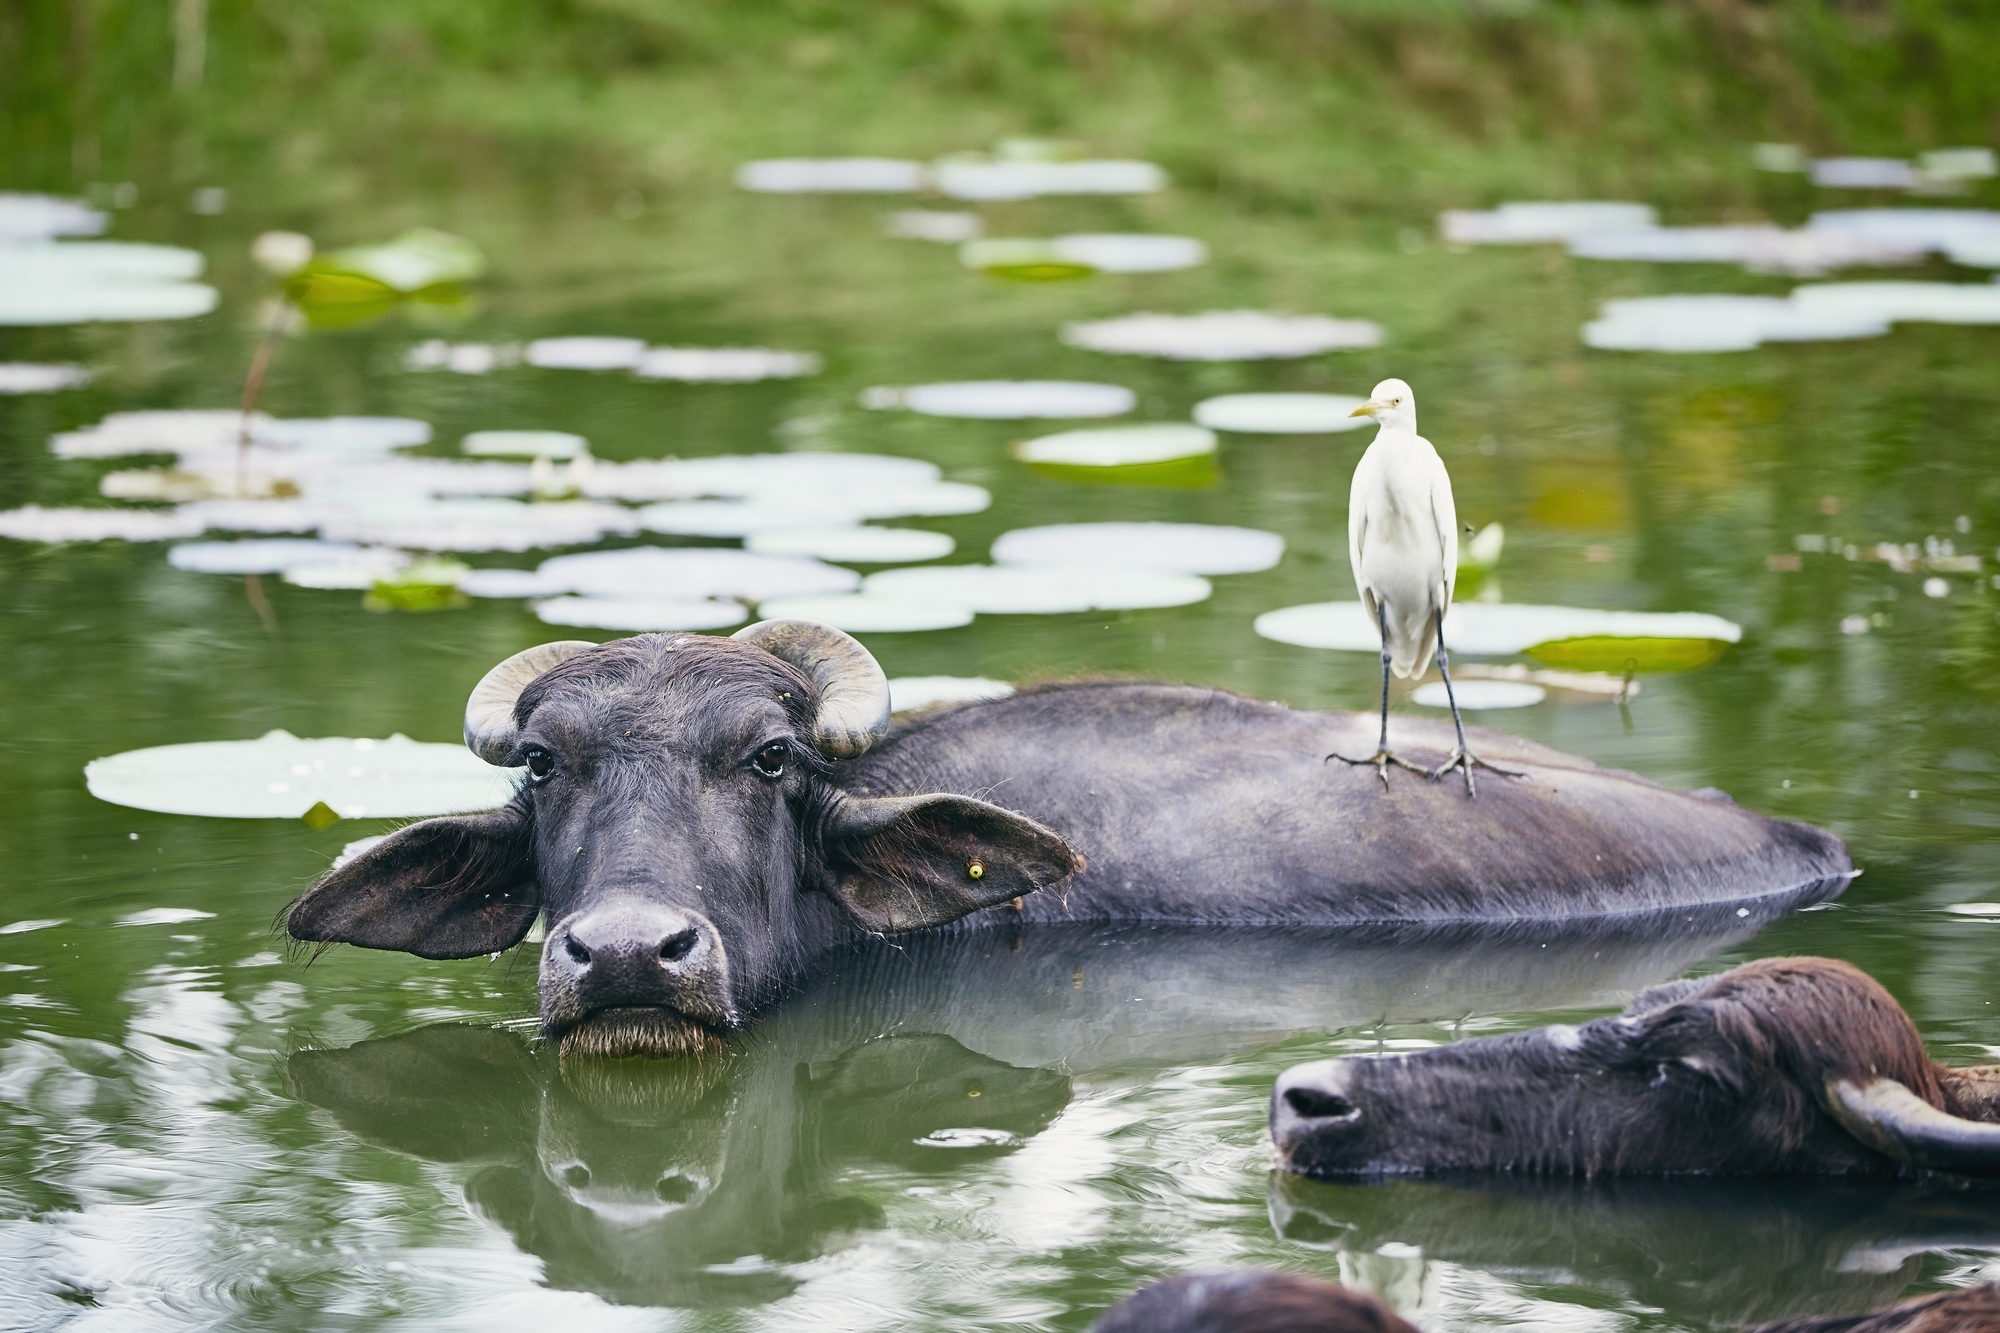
(1369,408)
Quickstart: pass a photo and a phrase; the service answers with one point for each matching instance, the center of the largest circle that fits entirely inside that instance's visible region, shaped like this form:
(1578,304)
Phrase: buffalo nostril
(679,946)
(576,950)
(1312,1104)
(576,1176)
(675,1189)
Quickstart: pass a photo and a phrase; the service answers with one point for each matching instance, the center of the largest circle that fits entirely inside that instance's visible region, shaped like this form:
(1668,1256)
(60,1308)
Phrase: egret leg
(1383,756)
(1462,759)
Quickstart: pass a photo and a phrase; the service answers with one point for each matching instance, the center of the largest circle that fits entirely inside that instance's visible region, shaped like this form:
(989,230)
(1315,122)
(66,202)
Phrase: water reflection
(1719,1253)
(919,1067)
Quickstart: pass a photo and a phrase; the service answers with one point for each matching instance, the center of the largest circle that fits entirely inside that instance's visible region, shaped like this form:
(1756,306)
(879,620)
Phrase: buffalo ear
(906,862)
(455,887)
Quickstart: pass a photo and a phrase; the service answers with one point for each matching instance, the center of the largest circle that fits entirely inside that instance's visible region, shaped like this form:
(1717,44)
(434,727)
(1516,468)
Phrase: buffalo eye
(770,760)
(540,764)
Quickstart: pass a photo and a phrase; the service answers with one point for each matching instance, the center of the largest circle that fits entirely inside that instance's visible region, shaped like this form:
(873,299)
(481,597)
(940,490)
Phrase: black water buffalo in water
(1974,1310)
(1782,1065)
(701,818)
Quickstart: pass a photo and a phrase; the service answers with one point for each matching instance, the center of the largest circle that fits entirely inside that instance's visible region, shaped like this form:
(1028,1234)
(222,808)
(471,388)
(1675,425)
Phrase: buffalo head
(1787,1064)
(682,830)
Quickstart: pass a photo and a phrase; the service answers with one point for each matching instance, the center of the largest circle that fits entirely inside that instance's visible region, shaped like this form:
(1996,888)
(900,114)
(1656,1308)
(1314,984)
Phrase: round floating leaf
(1223,335)
(724,365)
(1132,252)
(257,557)
(358,571)
(1118,446)
(1479,694)
(738,518)
(280,776)
(1281,413)
(1182,548)
(1040,590)
(32,523)
(1526,223)
(868,613)
(17,377)
(584,353)
(853,545)
(653,571)
(831,175)
(556,444)
(1020,260)
(1600,652)
(679,613)
(907,694)
(1013,400)
(1183,474)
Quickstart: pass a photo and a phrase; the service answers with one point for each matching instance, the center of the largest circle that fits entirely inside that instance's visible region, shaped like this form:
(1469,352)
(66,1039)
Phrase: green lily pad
(422,585)
(1599,652)
(1021,260)
(1181,474)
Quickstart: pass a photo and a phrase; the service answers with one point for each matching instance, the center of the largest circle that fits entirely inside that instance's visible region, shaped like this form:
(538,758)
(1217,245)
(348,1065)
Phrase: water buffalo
(1781,1065)
(1249,1301)
(1973,1310)
(701,818)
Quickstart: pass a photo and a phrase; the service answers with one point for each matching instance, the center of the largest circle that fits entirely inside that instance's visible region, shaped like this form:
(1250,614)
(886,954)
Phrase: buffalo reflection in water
(677,1182)
(701,1182)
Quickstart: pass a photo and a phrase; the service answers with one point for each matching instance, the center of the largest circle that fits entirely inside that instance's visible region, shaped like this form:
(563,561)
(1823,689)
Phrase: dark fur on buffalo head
(1788,1064)
(1249,1301)
(681,830)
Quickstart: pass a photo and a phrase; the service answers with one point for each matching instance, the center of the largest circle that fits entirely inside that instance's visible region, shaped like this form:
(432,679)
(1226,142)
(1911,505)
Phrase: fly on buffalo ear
(975,868)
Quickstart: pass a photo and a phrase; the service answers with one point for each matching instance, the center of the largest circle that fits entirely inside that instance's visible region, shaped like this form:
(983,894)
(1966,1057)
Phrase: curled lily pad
(281,776)
(907,694)
(1184,548)
(869,613)
(1281,413)
(418,585)
(419,258)
(1613,653)
(1022,260)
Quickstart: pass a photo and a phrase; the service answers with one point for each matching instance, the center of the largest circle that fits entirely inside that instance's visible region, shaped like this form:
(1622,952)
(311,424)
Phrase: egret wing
(1444,513)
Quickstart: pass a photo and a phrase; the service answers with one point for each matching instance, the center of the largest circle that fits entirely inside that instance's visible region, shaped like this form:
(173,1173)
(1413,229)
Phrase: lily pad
(693,572)
(1714,323)
(746,476)
(907,694)
(1528,223)
(1037,590)
(483,524)
(739,518)
(89,281)
(1223,335)
(724,365)
(419,258)
(281,776)
(1761,249)
(861,545)
(1865,173)
(1183,548)
(831,175)
(1476,695)
(1490,629)
(257,557)
(628,613)
(1118,446)
(1610,653)
(38,217)
(359,571)
(1011,400)
(972,177)
(1183,474)
(868,613)
(584,353)
(523,444)
(17,377)
(1902,302)
(508,583)
(32,523)
(1281,413)
(1132,252)
(1021,260)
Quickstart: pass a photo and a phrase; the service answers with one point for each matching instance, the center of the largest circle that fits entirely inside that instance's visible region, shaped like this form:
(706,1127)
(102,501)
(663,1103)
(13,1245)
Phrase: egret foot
(1382,759)
(1466,761)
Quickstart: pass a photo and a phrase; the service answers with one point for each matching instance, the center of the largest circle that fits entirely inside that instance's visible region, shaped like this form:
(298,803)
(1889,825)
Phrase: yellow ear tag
(976,869)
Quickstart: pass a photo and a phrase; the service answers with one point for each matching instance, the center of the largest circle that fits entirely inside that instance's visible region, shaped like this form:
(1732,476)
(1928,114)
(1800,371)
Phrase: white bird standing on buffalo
(1402,541)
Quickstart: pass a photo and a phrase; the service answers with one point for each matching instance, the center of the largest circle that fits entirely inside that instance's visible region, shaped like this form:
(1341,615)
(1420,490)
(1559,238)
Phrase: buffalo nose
(1313,1099)
(632,948)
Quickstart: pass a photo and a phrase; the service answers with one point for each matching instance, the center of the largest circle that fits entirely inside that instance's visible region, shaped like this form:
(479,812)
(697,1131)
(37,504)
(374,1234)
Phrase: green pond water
(198,1130)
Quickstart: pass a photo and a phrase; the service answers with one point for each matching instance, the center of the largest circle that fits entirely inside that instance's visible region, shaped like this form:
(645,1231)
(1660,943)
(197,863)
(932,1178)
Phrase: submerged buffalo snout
(1316,1109)
(627,965)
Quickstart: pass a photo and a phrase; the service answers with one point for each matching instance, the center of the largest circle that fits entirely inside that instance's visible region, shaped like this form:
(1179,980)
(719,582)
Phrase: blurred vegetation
(1300,106)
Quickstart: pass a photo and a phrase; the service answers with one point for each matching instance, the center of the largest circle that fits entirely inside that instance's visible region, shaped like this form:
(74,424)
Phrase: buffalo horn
(853,692)
(1891,1119)
(490,729)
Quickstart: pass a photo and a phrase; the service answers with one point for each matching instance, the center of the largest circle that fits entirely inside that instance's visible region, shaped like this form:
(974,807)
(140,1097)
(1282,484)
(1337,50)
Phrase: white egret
(1402,541)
